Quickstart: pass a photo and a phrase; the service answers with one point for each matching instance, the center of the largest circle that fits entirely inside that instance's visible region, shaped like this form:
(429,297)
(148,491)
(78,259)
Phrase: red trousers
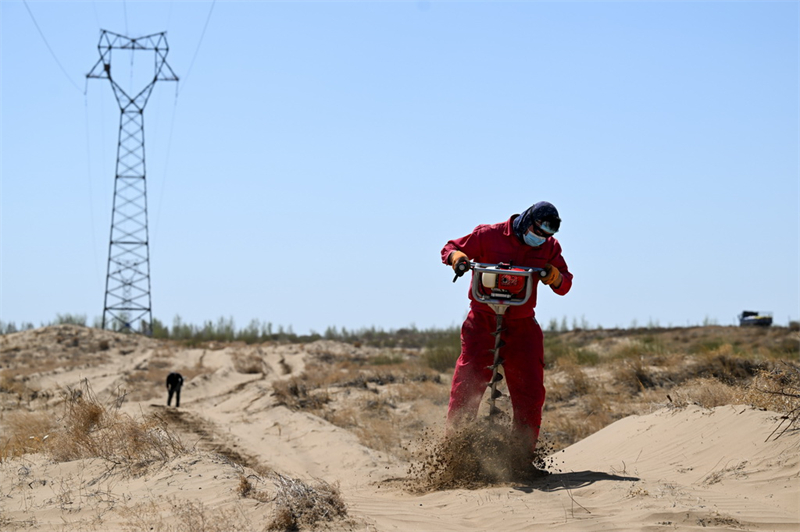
(523,353)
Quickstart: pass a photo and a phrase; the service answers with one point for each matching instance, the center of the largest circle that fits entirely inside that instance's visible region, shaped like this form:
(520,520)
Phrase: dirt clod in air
(484,453)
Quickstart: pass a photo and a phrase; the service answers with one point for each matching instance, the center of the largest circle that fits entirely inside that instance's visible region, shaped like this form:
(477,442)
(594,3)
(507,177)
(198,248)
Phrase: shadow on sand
(571,480)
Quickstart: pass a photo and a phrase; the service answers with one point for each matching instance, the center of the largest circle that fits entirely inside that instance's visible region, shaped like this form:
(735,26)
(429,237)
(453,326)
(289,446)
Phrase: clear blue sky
(318,155)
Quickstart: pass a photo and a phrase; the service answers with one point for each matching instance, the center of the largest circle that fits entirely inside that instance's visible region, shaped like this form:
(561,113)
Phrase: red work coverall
(523,351)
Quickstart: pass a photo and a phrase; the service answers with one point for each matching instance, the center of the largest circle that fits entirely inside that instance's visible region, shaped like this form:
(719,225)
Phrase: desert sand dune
(676,468)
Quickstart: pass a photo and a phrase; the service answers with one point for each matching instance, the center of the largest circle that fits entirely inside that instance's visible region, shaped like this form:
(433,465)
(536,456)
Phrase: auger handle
(464,266)
(461,268)
(522,271)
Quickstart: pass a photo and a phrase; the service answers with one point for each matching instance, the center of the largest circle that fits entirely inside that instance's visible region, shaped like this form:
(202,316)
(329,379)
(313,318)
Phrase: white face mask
(533,240)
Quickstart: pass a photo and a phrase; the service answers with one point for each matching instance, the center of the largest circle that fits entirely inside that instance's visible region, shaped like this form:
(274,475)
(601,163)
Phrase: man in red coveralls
(523,240)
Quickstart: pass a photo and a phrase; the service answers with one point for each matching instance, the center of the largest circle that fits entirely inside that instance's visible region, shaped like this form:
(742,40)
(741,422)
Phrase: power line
(48,45)
(157,225)
(208,18)
(125,13)
(96,16)
(89,180)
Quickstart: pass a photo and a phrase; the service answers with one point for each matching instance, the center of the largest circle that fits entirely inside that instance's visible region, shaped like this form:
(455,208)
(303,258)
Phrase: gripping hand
(553,276)
(459,262)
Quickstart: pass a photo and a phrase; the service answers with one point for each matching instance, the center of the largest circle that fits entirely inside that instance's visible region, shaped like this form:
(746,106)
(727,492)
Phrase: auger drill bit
(498,361)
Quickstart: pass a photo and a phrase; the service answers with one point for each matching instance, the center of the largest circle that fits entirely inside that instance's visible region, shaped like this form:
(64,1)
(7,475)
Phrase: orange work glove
(459,262)
(553,276)
(456,257)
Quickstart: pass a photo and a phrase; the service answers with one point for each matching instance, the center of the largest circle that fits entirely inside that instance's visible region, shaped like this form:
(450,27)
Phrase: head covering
(543,212)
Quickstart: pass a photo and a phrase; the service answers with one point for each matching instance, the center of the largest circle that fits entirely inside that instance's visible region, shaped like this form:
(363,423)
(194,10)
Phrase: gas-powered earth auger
(500,286)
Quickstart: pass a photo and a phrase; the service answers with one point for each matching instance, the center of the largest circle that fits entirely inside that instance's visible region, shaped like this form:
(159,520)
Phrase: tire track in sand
(207,437)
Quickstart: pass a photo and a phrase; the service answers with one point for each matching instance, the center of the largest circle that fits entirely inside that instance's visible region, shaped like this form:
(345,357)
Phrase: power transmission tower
(127,298)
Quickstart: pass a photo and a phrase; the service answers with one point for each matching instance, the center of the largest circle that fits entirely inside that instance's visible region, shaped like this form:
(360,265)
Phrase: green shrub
(442,352)
(556,348)
(386,359)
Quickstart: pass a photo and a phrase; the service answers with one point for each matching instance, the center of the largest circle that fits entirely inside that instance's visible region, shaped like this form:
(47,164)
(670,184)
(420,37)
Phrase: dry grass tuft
(725,365)
(441,353)
(299,505)
(11,386)
(562,429)
(706,392)
(183,516)
(26,432)
(572,381)
(778,390)
(249,362)
(299,394)
(250,490)
(636,375)
(89,429)
(374,399)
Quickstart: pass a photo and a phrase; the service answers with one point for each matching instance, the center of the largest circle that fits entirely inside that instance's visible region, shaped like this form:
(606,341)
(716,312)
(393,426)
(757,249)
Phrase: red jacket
(496,243)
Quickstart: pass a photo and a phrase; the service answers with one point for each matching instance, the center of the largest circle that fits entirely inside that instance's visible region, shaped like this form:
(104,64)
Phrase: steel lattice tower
(127,298)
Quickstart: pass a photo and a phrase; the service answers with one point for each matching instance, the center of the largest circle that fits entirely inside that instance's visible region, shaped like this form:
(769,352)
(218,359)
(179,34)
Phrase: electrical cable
(48,45)
(99,275)
(169,16)
(166,168)
(208,18)
(89,178)
(96,16)
(125,14)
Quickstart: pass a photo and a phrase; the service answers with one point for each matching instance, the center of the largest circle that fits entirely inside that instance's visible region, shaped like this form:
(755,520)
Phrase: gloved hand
(553,276)
(459,262)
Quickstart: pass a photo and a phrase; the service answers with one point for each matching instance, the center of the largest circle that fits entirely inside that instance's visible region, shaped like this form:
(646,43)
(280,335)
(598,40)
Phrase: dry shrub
(434,390)
(297,394)
(386,359)
(183,516)
(248,489)
(556,347)
(245,486)
(725,365)
(634,375)
(672,362)
(196,518)
(11,386)
(375,403)
(370,420)
(562,430)
(775,390)
(779,391)
(571,381)
(18,389)
(380,417)
(299,505)
(706,392)
(89,429)
(636,347)
(25,432)
(249,362)
(441,353)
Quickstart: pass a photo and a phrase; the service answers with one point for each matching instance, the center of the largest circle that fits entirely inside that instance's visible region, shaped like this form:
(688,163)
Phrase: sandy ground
(686,468)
